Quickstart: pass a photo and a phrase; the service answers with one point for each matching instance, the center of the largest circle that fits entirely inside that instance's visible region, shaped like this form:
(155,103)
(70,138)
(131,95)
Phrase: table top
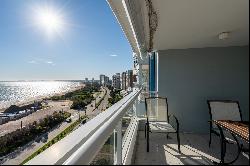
(238,128)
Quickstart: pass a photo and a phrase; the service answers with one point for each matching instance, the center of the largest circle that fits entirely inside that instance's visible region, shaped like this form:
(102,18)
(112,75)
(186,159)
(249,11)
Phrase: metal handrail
(83,144)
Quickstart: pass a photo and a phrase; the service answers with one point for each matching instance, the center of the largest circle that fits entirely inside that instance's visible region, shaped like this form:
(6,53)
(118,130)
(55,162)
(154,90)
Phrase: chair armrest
(176,121)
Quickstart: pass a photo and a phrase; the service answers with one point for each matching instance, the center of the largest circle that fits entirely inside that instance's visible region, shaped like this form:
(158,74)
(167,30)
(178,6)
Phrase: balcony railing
(83,144)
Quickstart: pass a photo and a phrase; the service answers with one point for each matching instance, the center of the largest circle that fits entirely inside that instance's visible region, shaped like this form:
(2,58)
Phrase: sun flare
(49,20)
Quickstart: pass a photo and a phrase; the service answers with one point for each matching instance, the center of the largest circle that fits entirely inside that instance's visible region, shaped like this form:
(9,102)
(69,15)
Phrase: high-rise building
(124,81)
(86,80)
(136,69)
(130,78)
(102,79)
(106,80)
(116,82)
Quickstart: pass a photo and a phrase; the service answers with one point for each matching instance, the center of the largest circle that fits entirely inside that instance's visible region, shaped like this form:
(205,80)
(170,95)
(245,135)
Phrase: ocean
(24,91)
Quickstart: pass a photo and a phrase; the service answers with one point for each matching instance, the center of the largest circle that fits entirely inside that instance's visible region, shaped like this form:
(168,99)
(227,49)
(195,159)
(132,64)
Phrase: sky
(76,39)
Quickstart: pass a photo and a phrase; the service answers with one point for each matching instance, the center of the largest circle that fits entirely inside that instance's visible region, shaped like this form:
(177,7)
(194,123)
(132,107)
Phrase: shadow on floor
(194,150)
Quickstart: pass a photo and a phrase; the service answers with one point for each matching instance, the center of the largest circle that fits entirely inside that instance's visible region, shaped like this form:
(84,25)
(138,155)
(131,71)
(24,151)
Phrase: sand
(36,116)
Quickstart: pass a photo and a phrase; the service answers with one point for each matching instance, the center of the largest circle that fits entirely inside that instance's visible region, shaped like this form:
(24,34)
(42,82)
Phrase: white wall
(190,77)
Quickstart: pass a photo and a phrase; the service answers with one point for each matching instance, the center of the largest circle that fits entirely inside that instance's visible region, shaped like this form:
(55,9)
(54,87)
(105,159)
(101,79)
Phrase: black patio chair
(222,110)
(158,119)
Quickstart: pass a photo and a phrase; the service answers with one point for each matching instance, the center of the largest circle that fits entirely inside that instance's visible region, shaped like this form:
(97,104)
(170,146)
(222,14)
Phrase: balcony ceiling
(184,24)
(197,23)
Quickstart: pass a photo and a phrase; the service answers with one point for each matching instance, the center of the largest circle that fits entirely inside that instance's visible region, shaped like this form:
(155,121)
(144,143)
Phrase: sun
(49,20)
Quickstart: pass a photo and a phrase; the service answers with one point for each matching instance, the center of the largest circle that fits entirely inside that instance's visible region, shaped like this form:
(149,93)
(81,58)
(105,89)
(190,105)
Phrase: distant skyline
(60,40)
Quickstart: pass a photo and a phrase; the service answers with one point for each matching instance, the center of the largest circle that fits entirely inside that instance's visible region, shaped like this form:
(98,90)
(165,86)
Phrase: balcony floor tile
(194,150)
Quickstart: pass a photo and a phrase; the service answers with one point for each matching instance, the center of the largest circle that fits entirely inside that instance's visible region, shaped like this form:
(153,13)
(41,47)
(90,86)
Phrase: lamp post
(85,110)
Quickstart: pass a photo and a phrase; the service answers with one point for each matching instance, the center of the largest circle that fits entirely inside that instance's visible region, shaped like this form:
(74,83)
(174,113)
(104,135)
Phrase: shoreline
(40,98)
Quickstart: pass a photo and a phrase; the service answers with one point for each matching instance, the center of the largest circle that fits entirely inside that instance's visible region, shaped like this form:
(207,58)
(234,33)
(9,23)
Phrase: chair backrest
(224,110)
(157,109)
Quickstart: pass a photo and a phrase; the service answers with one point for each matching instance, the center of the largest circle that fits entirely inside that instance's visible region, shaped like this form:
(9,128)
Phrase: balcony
(180,55)
(123,125)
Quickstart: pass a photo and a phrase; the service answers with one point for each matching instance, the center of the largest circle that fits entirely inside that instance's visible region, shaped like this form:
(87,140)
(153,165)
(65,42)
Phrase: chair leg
(147,137)
(210,138)
(223,149)
(178,139)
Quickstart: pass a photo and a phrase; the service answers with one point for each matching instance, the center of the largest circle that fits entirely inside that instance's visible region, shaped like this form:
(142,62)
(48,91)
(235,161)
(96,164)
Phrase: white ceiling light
(224,35)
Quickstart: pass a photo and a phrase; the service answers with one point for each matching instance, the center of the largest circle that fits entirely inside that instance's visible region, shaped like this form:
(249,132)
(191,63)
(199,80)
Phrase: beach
(35,116)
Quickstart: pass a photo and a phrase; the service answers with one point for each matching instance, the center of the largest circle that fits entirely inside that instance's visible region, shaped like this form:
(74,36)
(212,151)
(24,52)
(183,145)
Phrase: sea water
(24,91)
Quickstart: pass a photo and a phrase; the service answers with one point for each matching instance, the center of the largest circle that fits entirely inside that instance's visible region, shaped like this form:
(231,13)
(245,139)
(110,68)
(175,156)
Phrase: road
(92,111)
(104,104)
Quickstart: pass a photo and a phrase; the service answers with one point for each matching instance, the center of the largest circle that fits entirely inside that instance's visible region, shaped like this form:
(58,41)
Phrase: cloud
(113,55)
(32,62)
(41,61)
(50,63)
